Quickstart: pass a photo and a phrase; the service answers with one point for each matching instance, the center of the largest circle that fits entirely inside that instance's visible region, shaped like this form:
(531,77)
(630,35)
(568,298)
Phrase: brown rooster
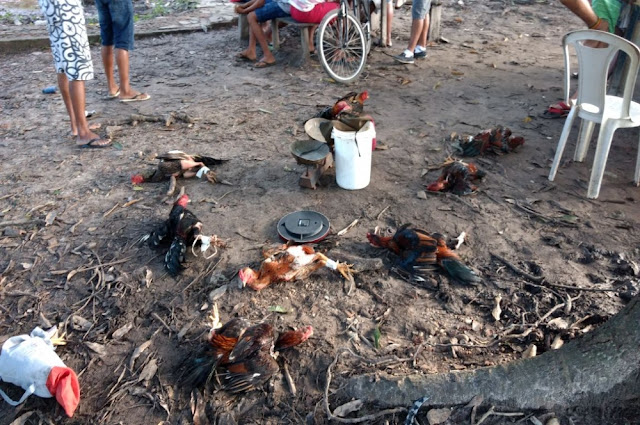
(498,140)
(174,164)
(352,103)
(419,251)
(457,177)
(288,263)
(245,354)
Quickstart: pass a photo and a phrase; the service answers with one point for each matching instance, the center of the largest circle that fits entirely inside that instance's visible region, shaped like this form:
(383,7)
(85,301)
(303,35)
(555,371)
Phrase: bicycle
(343,40)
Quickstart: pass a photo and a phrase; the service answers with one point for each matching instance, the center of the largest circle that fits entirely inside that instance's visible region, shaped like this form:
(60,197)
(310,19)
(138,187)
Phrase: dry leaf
(149,371)
(50,218)
(136,353)
(557,342)
(527,120)
(79,323)
(217,293)
(530,352)
(119,333)
(497,310)
(350,407)
(457,73)
(438,416)
(96,348)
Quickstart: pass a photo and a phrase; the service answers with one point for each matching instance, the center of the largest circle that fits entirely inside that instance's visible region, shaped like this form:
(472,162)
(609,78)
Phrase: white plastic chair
(593,105)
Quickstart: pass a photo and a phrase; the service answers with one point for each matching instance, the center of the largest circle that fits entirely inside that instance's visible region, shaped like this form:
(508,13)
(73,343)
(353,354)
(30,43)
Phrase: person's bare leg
(250,51)
(77,96)
(256,28)
(422,40)
(122,60)
(63,85)
(417,26)
(107,61)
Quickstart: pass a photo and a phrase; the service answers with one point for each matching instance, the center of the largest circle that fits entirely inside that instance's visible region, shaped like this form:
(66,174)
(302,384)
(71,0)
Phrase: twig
(382,212)
(579,288)
(366,418)
(287,376)
(155,315)
(349,227)
(128,204)
(492,412)
(517,270)
(111,210)
(209,269)
(20,222)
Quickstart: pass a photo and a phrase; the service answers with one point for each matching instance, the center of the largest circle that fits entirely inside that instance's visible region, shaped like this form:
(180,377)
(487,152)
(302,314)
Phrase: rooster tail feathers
(198,371)
(459,272)
(175,257)
(209,161)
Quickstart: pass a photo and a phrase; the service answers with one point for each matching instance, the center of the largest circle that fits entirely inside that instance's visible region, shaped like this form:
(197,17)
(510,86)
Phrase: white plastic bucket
(352,150)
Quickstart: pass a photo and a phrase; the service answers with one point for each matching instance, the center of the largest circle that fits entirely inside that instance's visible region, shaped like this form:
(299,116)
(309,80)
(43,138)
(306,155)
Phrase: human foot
(246,56)
(264,64)
(95,143)
(135,98)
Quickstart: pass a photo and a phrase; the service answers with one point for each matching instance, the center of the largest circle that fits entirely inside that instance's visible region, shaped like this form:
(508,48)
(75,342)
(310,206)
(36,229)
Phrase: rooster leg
(346,270)
(188,174)
(172,185)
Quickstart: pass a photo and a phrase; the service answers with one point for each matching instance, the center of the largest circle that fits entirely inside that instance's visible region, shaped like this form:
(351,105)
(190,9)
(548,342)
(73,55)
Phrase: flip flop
(263,64)
(559,110)
(113,96)
(137,98)
(96,144)
(242,57)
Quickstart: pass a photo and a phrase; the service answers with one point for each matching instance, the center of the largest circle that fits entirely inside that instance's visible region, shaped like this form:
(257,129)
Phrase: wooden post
(435,17)
(243,27)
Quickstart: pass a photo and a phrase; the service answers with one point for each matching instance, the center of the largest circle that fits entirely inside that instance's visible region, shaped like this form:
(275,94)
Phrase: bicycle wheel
(341,46)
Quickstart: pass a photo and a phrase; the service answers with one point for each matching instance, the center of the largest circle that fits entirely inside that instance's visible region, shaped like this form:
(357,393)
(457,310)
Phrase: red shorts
(315,15)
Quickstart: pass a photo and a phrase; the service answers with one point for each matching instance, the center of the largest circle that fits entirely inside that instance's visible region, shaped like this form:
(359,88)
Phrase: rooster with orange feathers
(419,251)
(244,354)
(285,263)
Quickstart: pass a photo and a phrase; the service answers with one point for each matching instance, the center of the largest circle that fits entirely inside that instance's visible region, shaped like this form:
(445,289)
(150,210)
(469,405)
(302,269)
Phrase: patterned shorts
(68,37)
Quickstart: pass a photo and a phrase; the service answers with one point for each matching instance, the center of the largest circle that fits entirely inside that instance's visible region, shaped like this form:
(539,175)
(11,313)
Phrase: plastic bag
(30,362)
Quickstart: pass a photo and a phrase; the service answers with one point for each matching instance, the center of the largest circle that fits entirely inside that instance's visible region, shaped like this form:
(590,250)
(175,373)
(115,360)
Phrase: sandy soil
(502,65)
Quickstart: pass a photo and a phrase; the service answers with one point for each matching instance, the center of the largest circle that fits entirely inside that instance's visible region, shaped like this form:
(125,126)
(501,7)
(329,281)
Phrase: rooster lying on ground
(287,263)
(175,164)
(245,354)
(181,229)
(498,140)
(419,251)
(457,177)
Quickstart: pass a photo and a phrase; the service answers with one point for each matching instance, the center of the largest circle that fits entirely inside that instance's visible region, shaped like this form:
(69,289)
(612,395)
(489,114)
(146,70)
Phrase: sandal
(263,64)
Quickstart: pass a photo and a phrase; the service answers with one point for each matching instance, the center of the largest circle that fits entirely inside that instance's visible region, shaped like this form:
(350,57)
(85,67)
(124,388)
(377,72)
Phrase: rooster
(181,229)
(175,164)
(352,103)
(246,354)
(498,140)
(457,177)
(419,251)
(288,263)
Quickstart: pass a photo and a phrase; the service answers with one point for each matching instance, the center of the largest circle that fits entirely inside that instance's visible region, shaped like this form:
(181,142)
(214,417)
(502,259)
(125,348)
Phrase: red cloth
(63,384)
(315,15)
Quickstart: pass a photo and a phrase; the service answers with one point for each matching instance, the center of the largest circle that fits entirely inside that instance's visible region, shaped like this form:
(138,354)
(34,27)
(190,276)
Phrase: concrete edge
(17,45)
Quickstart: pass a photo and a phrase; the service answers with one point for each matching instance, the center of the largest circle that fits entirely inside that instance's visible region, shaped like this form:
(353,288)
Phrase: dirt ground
(72,249)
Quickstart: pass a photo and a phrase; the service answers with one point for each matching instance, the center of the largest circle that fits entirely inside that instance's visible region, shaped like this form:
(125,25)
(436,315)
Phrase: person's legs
(63,85)
(419,11)
(85,135)
(121,12)
(107,61)
(258,36)
(250,52)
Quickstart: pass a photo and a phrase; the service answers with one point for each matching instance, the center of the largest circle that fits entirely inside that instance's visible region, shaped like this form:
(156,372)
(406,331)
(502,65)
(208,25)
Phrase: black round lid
(303,227)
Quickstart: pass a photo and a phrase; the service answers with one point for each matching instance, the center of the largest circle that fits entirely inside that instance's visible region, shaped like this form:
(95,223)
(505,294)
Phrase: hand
(602,26)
